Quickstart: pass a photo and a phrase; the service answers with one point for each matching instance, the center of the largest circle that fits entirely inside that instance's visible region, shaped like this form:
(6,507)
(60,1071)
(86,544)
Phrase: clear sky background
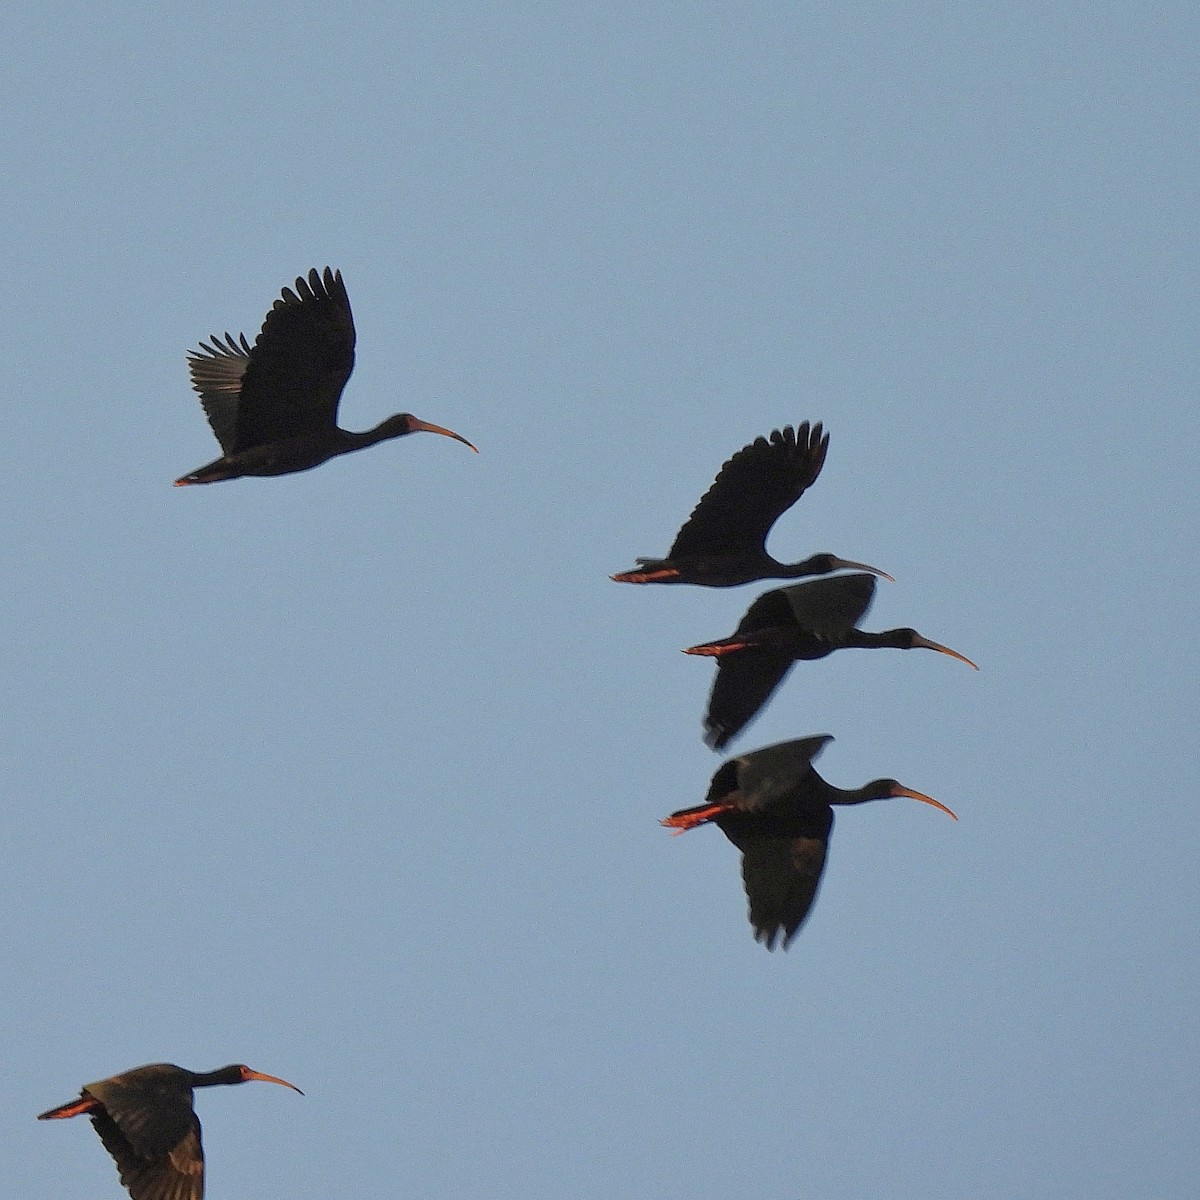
(354,775)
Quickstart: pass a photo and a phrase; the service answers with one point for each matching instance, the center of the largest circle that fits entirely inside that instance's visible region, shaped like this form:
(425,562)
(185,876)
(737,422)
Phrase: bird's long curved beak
(926,644)
(426,427)
(903,791)
(844,564)
(270,1079)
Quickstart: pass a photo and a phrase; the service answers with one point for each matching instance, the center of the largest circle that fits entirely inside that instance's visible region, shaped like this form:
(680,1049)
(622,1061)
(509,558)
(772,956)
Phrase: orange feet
(716,649)
(646,576)
(689,818)
(82,1105)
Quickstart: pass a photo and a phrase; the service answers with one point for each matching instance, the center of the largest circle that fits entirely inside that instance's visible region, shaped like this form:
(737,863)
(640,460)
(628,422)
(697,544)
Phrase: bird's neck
(223,1075)
(896,639)
(860,795)
(351,439)
(818,564)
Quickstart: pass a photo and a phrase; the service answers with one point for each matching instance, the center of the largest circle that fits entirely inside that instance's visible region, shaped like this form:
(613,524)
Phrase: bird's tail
(202,476)
(213,472)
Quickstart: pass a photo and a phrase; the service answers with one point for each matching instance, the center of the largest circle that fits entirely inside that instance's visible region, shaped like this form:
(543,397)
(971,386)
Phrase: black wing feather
(151,1109)
(827,608)
(783,855)
(744,683)
(299,363)
(176,1174)
(746,678)
(781,878)
(751,491)
(774,773)
(771,610)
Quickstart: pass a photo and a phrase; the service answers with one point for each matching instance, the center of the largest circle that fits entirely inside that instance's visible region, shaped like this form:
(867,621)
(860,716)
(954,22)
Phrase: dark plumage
(804,621)
(146,1121)
(775,808)
(724,542)
(273,406)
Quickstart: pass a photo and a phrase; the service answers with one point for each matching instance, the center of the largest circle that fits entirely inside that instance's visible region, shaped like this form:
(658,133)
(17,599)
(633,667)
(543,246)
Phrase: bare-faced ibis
(774,807)
(724,542)
(273,406)
(146,1121)
(784,625)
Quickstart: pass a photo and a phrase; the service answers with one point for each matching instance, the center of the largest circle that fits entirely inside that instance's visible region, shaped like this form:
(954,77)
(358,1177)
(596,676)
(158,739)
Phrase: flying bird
(273,406)
(724,542)
(803,621)
(146,1121)
(775,808)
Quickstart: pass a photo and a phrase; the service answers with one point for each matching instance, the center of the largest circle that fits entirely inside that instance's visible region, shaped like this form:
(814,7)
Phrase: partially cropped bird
(724,542)
(784,625)
(146,1121)
(775,808)
(273,406)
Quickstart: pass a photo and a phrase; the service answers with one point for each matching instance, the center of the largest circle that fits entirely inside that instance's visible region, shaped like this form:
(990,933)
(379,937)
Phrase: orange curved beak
(903,791)
(426,427)
(248,1074)
(926,644)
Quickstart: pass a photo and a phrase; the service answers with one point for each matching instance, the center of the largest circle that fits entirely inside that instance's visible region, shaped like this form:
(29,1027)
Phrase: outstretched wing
(754,487)
(827,608)
(177,1174)
(299,363)
(772,774)
(746,678)
(781,879)
(771,610)
(150,1107)
(744,683)
(782,861)
(217,372)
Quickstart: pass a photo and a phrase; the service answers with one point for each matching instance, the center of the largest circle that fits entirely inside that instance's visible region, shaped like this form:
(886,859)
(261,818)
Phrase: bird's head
(910,639)
(826,564)
(893,789)
(402,424)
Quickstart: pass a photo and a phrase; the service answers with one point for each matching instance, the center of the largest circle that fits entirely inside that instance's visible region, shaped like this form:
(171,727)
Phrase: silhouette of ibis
(803,621)
(273,406)
(146,1121)
(723,542)
(775,808)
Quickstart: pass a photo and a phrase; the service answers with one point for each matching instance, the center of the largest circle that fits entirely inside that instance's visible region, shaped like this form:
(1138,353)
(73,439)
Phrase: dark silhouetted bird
(724,542)
(146,1121)
(774,807)
(804,621)
(273,406)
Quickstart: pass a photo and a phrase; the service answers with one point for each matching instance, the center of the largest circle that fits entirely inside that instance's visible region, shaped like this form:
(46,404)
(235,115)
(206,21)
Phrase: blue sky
(354,775)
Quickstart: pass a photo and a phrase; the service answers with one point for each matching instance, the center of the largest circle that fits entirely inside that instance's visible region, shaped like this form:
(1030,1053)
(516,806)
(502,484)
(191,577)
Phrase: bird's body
(724,542)
(146,1121)
(273,406)
(775,808)
(802,622)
